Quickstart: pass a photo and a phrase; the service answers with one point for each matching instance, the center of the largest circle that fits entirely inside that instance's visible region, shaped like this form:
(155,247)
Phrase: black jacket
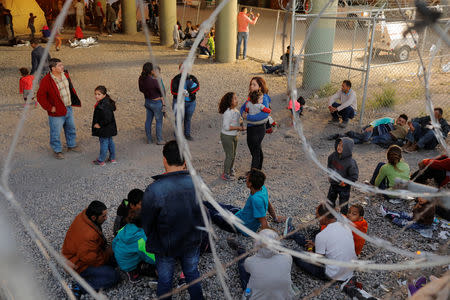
(343,163)
(171,215)
(36,55)
(104,116)
(192,89)
(424,121)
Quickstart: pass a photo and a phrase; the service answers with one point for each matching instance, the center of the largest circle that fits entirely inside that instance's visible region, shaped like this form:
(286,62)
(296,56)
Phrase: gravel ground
(53,192)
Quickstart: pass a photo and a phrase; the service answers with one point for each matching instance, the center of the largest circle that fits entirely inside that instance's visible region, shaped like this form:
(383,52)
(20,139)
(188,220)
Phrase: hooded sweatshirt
(129,248)
(270,272)
(343,163)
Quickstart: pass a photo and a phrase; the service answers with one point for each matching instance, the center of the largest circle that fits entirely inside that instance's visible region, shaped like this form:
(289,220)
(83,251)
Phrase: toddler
(26,84)
(254,105)
(356,215)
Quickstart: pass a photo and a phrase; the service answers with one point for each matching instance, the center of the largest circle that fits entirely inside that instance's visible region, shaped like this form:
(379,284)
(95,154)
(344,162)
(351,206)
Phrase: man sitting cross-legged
(253,215)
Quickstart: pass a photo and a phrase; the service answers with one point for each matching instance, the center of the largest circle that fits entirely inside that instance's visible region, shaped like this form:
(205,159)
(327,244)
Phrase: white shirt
(348,99)
(231,117)
(336,242)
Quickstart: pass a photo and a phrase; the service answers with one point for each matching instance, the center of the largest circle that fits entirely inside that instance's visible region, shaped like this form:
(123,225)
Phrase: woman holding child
(256,128)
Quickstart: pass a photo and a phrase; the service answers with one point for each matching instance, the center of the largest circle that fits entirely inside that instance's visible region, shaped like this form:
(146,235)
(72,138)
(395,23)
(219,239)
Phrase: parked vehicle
(389,38)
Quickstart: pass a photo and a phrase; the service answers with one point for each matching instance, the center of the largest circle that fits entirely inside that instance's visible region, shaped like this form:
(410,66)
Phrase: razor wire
(42,243)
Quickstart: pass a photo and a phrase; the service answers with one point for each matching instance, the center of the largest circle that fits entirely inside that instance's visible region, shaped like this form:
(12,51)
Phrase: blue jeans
(58,123)
(244,276)
(189,108)
(384,139)
(241,36)
(165,266)
(154,109)
(217,218)
(271,69)
(102,277)
(359,138)
(403,219)
(107,144)
(423,137)
(345,114)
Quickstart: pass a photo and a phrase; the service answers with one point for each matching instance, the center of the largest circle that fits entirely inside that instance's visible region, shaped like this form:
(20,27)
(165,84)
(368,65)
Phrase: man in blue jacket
(171,217)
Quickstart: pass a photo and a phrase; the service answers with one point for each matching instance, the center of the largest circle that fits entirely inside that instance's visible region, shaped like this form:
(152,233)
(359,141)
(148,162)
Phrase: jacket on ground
(343,163)
(129,248)
(85,245)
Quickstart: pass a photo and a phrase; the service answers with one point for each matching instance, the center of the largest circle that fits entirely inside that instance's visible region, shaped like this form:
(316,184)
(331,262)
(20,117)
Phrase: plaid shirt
(63,88)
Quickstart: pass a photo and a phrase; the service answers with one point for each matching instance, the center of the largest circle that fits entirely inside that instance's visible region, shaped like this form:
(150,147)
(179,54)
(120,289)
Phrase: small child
(422,215)
(298,107)
(356,215)
(176,36)
(254,105)
(130,252)
(104,125)
(128,207)
(31,25)
(26,84)
(341,161)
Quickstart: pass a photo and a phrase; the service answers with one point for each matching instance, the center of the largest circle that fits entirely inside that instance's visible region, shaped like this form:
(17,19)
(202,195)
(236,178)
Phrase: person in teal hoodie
(130,252)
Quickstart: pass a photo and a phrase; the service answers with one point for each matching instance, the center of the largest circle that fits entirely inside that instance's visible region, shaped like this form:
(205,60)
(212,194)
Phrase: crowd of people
(156,228)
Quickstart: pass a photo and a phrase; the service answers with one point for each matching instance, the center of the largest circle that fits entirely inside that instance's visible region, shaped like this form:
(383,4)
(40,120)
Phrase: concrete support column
(129,17)
(167,20)
(226,32)
(315,75)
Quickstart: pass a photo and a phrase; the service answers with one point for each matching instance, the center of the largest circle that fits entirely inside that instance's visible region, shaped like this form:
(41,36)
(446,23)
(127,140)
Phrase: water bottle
(247,294)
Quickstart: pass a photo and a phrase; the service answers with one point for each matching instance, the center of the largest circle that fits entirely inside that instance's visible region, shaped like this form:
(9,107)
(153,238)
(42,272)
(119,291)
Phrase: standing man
(36,56)
(191,87)
(86,248)
(171,219)
(243,20)
(57,96)
(9,24)
(31,25)
(347,108)
(110,18)
(99,15)
(79,9)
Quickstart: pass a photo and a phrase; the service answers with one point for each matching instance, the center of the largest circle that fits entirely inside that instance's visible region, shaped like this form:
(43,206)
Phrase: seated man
(86,248)
(333,242)
(267,273)
(421,134)
(347,108)
(253,215)
(281,68)
(383,132)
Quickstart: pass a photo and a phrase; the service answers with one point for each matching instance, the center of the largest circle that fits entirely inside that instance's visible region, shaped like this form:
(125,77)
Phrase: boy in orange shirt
(356,215)
(26,83)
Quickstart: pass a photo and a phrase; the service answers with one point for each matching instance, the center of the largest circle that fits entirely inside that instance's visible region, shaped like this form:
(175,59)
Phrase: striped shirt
(63,88)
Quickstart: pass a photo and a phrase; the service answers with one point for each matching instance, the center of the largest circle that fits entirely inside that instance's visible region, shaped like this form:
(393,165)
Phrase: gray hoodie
(270,272)
(343,163)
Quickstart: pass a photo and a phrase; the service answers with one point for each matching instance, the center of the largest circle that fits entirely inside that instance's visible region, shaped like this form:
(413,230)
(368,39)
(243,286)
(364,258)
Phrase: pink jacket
(243,21)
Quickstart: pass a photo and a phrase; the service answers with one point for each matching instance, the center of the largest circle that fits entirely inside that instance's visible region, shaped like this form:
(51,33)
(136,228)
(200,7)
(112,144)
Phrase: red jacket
(26,83)
(440,163)
(85,244)
(48,96)
(359,241)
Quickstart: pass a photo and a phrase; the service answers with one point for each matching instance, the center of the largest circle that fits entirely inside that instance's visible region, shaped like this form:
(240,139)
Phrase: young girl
(128,207)
(26,84)
(228,135)
(104,125)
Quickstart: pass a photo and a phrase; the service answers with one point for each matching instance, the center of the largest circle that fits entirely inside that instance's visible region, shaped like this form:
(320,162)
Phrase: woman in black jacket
(104,125)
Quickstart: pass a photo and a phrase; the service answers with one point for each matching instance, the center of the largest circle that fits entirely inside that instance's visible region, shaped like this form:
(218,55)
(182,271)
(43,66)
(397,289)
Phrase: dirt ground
(53,192)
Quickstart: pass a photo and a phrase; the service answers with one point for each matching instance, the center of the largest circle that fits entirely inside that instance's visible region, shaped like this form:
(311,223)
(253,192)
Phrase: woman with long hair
(385,174)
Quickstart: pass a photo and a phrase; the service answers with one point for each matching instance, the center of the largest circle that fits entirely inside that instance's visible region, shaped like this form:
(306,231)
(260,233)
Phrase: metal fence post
(275,37)
(366,82)
(292,44)
(365,51)
(184,11)
(198,11)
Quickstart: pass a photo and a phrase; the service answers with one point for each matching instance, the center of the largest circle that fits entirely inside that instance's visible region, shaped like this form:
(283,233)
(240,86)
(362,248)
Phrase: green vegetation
(327,90)
(386,98)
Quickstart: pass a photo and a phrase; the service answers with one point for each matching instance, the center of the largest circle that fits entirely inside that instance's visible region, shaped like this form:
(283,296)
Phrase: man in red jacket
(86,248)
(57,96)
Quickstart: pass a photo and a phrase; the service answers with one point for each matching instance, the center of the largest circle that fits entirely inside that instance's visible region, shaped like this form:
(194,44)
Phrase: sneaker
(76,290)
(160,143)
(59,155)
(288,226)
(383,211)
(111,161)
(226,177)
(133,276)
(74,149)
(181,280)
(189,138)
(98,163)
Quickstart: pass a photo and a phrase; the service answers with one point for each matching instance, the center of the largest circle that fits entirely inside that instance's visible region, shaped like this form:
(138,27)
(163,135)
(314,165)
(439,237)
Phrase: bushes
(327,90)
(386,98)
